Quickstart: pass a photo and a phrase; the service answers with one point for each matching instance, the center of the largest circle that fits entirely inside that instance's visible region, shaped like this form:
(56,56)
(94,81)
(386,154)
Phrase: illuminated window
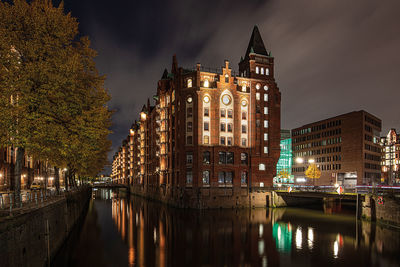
(265,136)
(206,139)
(243,177)
(189,158)
(206,177)
(257,70)
(265,150)
(265,87)
(265,124)
(206,99)
(226,78)
(266,71)
(244,88)
(206,83)
(189,83)
(189,99)
(262,71)
(265,97)
(230,113)
(258,86)
(265,110)
(257,96)
(189,177)
(261,167)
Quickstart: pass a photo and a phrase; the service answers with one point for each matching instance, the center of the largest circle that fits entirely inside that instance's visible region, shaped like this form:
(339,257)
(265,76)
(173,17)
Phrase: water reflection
(153,234)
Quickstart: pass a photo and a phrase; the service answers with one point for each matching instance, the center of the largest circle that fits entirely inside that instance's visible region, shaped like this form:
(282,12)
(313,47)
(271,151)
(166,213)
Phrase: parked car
(37,185)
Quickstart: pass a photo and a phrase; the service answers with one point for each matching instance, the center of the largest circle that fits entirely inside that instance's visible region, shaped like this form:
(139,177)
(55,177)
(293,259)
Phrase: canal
(129,231)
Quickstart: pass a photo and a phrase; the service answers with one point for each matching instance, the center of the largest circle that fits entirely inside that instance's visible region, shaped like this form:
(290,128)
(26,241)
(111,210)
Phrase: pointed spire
(174,69)
(256,44)
(165,74)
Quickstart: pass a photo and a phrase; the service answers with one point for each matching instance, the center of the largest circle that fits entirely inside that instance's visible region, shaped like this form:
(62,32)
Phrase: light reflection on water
(151,234)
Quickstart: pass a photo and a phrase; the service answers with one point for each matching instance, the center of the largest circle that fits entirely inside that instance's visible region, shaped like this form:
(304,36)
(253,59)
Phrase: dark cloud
(331,57)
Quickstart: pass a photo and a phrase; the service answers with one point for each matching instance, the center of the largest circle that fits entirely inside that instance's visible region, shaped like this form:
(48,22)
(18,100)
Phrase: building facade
(391,158)
(284,166)
(345,148)
(209,132)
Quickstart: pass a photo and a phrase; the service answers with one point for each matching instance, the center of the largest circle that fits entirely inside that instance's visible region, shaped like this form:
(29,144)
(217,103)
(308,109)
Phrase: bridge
(109,185)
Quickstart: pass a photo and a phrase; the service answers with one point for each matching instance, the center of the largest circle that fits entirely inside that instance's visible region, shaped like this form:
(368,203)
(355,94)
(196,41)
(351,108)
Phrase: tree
(53,101)
(313,171)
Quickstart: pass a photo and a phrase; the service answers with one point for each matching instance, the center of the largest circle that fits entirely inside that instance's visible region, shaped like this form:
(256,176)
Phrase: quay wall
(24,238)
(218,197)
(382,209)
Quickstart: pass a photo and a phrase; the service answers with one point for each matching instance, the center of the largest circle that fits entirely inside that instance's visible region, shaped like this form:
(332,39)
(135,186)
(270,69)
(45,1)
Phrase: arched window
(262,71)
(266,71)
(257,70)
(261,167)
(189,83)
(206,83)
(226,78)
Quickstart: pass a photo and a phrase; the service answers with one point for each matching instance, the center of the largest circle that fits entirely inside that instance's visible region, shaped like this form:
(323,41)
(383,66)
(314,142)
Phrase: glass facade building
(284,165)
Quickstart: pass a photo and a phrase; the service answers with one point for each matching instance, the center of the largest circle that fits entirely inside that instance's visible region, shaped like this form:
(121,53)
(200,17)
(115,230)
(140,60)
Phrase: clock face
(244,103)
(265,87)
(258,86)
(206,99)
(189,99)
(226,99)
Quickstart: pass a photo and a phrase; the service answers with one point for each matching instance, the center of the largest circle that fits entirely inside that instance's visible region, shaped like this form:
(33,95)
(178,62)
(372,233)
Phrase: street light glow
(311,161)
(299,160)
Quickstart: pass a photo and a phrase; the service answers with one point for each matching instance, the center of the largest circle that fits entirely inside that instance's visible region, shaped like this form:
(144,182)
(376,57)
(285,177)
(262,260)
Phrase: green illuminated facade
(284,165)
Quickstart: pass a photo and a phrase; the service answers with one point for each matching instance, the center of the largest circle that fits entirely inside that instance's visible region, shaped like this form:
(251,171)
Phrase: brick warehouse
(211,137)
(345,148)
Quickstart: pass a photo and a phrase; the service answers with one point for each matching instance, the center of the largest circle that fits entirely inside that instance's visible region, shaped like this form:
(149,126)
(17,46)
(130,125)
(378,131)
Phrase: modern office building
(284,166)
(209,132)
(345,148)
(391,158)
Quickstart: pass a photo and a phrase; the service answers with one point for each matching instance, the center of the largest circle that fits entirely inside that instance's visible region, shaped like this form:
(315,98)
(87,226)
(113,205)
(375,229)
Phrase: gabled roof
(256,44)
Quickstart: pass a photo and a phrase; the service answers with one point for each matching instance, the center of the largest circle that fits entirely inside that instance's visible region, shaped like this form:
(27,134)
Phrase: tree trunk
(57,179)
(17,174)
(66,173)
(46,177)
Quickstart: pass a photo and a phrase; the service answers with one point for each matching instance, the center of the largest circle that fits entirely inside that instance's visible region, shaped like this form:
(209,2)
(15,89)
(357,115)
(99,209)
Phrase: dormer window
(226,78)
(257,70)
(206,83)
(262,71)
(189,83)
(243,88)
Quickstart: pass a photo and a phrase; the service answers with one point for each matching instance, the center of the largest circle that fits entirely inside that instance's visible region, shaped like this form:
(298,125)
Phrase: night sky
(331,57)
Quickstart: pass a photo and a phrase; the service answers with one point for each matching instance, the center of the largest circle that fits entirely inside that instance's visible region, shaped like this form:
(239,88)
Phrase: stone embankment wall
(384,209)
(26,239)
(224,197)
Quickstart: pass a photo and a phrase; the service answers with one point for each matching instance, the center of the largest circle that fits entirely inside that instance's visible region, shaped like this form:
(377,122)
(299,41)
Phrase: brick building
(208,130)
(345,147)
(391,158)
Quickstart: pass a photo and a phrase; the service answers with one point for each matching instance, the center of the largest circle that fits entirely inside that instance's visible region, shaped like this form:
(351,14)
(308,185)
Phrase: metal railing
(26,200)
